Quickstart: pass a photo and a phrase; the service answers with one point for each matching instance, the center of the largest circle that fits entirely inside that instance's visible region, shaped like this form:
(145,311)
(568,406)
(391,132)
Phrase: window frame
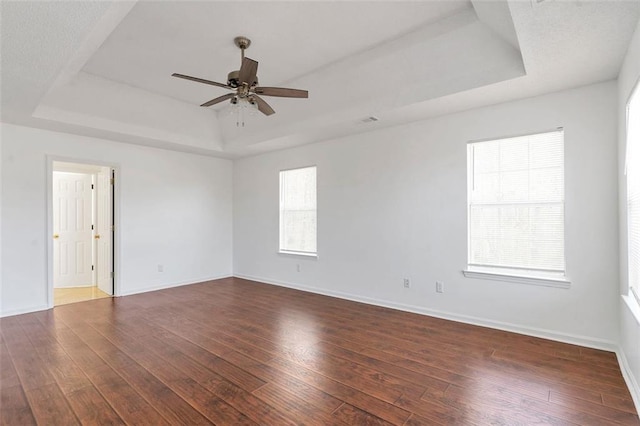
(515,274)
(632,291)
(282,251)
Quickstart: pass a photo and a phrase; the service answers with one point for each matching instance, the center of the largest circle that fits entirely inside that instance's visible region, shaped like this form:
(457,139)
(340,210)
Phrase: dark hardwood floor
(239,352)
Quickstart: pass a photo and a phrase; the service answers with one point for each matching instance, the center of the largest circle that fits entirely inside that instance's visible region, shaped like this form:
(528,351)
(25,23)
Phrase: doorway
(82,207)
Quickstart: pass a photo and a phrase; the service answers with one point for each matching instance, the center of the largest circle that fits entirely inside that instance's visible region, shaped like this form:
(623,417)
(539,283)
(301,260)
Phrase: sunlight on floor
(63,296)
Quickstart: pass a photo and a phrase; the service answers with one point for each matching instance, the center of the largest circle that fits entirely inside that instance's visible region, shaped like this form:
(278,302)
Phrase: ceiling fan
(244,83)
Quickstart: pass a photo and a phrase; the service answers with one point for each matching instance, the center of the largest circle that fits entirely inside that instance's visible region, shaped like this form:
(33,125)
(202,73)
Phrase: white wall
(392,204)
(629,309)
(175,210)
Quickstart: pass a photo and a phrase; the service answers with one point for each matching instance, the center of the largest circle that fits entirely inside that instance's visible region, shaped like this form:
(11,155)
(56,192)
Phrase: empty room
(320,212)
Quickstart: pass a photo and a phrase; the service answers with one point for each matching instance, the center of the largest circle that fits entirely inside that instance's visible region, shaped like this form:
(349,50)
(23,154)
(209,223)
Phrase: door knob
(97,237)
(56,236)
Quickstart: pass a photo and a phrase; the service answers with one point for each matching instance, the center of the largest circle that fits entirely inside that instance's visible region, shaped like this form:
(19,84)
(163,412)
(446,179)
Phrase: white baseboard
(632,384)
(23,311)
(171,285)
(126,293)
(573,339)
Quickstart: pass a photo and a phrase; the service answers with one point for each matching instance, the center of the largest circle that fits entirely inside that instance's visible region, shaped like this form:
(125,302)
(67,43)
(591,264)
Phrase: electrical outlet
(160,268)
(298,267)
(439,287)
(406,282)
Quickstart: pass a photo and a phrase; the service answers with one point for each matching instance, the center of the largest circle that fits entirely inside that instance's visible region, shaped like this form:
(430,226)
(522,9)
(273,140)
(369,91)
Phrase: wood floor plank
(14,407)
(86,402)
(351,395)
(125,401)
(30,369)
(623,404)
(422,381)
(91,408)
(443,355)
(188,388)
(235,395)
(603,411)
(174,367)
(8,375)
(218,365)
(554,363)
(234,351)
(353,416)
(301,409)
(322,401)
(50,406)
(488,403)
(162,397)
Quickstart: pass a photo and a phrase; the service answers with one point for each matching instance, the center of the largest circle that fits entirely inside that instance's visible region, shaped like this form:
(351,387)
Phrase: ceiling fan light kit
(244,84)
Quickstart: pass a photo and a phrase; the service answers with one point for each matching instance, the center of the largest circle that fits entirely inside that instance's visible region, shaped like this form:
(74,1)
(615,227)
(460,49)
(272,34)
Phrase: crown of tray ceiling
(104,69)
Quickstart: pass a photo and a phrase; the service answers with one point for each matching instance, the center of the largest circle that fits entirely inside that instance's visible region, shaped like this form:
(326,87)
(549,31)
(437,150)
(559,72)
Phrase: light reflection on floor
(298,336)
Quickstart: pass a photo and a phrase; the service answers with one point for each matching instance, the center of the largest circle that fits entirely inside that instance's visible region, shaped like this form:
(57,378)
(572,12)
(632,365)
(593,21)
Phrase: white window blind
(633,190)
(516,205)
(298,210)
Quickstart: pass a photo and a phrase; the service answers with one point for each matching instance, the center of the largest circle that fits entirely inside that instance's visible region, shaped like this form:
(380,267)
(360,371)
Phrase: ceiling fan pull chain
(240,116)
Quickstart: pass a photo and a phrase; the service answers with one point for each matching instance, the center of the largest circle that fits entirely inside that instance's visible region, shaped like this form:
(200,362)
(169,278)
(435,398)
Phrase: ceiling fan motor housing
(233,79)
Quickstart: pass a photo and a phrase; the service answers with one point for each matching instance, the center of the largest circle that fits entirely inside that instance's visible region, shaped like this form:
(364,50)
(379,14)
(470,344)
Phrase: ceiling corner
(497,16)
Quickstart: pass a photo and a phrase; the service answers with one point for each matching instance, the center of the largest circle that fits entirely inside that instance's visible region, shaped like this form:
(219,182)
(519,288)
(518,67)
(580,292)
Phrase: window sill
(633,306)
(545,282)
(298,253)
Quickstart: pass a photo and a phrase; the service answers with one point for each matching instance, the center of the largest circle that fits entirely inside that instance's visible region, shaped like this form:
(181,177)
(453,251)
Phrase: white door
(72,230)
(103,231)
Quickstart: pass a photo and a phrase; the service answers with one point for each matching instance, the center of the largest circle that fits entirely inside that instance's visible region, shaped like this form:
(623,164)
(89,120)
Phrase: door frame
(115,244)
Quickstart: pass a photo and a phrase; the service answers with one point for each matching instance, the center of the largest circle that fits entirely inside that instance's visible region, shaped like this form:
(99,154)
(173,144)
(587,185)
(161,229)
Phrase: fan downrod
(233,78)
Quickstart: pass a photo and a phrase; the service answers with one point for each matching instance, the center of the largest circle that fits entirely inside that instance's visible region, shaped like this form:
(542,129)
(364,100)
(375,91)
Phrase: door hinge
(91,186)
(92,227)
(111,181)
(92,267)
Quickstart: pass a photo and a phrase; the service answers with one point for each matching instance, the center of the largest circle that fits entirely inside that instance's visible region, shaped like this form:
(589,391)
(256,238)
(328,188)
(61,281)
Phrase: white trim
(633,306)
(630,380)
(545,282)
(635,91)
(299,168)
(558,136)
(24,311)
(298,253)
(174,284)
(518,135)
(80,286)
(280,217)
(50,159)
(574,339)
(636,86)
(127,293)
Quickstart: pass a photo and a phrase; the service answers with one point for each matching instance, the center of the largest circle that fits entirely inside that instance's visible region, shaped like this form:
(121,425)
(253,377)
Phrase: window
(298,211)
(516,207)
(633,190)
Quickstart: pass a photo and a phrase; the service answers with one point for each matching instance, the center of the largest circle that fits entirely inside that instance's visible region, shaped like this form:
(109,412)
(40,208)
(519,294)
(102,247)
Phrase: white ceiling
(103,68)
(288,39)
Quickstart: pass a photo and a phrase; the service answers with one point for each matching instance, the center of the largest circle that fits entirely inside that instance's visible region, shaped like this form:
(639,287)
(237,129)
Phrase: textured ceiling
(103,68)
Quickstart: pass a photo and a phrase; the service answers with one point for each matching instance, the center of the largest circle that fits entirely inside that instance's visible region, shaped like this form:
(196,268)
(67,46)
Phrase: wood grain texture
(234,352)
